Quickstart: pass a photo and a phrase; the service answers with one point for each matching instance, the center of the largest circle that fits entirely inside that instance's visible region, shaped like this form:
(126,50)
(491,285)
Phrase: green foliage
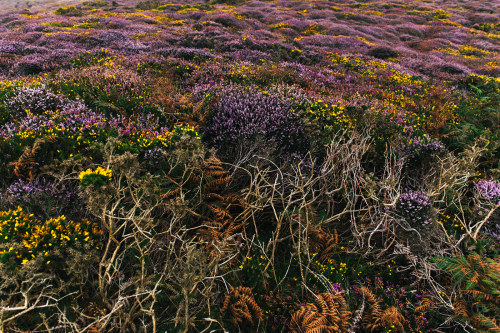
(148,4)
(96,3)
(69,11)
(94,179)
(479,281)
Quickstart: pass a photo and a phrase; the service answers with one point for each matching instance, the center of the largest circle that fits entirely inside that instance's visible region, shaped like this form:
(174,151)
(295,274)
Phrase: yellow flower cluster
(363,39)
(450,221)
(35,237)
(314,29)
(240,71)
(166,139)
(280,25)
(333,115)
(467,52)
(99,171)
(104,60)
(404,79)
(484,78)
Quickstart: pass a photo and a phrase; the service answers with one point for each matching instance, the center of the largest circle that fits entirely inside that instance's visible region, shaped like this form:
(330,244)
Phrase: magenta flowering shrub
(187,53)
(421,147)
(35,99)
(240,115)
(51,114)
(44,198)
(488,190)
(329,42)
(415,207)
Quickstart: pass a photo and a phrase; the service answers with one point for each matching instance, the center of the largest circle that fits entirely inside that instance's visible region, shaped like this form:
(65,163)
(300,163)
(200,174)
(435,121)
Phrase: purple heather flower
(422,146)
(489,190)
(414,206)
(41,194)
(242,114)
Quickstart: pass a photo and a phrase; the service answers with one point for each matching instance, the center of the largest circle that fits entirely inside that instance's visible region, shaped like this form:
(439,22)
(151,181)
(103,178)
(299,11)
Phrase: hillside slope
(253,166)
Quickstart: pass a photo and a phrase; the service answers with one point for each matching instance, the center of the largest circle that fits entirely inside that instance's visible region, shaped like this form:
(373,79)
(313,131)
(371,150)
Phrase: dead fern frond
(241,307)
(220,213)
(478,279)
(329,314)
(217,184)
(93,329)
(374,312)
(424,306)
(391,316)
(213,196)
(460,307)
(216,173)
(491,324)
(171,193)
(25,166)
(220,232)
(322,242)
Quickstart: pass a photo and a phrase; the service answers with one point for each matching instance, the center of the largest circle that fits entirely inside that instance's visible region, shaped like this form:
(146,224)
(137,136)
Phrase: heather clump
(35,100)
(43,197)
(488,190)
(382,52)
(415,207)
(420,148)
(241,115)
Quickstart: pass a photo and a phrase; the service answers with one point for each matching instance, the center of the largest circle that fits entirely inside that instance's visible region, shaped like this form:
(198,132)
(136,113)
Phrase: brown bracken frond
(391,316)
(241,307)
(171,193)
(425,306)
(478,278)
(220,231)
(460,307)
(93,329)
(374,312)
(322,242)
(25,166)
(329,314)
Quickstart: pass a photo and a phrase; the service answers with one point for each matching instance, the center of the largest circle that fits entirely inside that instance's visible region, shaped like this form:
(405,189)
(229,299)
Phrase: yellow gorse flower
(41,237)
(99,171)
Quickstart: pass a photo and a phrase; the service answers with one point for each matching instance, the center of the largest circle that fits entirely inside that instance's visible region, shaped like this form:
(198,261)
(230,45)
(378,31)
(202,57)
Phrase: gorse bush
(149,4)
(69,11)
(25,238)
(97,177)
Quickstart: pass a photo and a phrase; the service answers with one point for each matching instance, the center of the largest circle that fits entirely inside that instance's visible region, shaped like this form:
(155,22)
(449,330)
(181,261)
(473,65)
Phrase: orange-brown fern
(328,314)
(391,316)
(322,242)
(221,233)
(373,313)
(241,307)
(25,166)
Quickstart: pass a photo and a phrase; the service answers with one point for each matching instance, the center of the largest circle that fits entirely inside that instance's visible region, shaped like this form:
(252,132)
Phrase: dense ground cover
(256,166)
